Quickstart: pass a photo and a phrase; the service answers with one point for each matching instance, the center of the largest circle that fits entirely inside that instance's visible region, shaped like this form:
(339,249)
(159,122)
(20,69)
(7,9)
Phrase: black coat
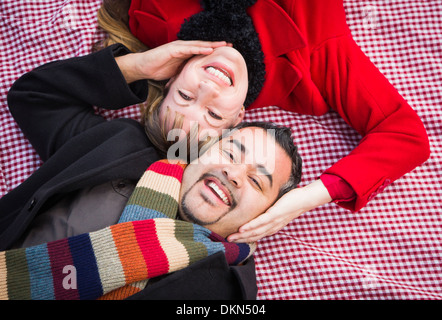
(53,105)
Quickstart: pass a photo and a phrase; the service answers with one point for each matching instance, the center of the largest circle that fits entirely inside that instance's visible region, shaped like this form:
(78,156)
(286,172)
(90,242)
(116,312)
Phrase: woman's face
(210,91)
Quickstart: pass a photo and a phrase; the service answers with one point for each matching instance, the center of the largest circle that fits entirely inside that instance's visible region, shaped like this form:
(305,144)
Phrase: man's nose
(235,174)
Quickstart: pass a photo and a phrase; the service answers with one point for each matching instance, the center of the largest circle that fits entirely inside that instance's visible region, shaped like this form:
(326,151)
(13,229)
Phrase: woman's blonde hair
(113,18)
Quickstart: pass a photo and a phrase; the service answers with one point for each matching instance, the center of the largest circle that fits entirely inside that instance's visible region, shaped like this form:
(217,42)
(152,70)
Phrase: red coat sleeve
(338,189)
(394,140)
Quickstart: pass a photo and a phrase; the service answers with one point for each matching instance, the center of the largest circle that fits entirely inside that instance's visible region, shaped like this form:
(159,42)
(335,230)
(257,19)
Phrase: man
(232,182)
(92,165)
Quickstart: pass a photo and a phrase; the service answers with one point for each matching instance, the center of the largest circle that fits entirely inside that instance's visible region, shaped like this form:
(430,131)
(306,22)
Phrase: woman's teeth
(219,192)
(221,75)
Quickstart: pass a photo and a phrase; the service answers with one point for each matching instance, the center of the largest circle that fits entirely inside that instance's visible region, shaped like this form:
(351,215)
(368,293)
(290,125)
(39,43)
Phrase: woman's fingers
(181,47)
(253,230)
(164,61)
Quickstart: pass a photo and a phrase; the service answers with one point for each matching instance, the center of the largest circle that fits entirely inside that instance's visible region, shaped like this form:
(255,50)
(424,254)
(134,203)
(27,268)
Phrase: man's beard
(187,212)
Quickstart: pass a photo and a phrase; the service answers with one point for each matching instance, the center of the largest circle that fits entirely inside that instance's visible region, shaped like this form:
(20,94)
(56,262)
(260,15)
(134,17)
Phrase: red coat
(313,65)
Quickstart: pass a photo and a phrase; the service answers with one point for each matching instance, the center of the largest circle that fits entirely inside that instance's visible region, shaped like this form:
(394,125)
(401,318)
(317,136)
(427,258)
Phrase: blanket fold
(117,261)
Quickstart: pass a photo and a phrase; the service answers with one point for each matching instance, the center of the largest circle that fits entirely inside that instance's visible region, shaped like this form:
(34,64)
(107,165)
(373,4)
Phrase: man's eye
(184,96)
(256,183)
(229,155)
(214,115)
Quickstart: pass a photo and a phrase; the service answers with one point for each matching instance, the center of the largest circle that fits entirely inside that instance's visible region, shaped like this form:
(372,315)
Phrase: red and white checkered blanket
(392,249)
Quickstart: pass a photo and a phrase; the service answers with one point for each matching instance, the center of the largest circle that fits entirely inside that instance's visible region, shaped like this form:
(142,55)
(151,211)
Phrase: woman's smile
(221,72)
(210,90)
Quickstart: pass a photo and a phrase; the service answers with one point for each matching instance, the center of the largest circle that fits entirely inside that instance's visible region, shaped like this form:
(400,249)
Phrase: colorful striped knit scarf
(116,262)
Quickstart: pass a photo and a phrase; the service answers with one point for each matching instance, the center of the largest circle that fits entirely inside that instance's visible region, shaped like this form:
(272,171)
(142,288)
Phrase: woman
(210,91)
(312,66)
(207,88)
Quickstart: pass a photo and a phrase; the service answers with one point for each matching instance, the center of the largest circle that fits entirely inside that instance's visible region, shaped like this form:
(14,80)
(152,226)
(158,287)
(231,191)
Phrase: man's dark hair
(282,136)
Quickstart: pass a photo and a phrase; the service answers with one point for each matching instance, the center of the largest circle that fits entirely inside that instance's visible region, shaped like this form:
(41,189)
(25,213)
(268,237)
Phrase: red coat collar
(155,22)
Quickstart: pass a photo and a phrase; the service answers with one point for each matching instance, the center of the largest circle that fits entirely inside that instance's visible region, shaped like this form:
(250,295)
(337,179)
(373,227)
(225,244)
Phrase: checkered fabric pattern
(392,249)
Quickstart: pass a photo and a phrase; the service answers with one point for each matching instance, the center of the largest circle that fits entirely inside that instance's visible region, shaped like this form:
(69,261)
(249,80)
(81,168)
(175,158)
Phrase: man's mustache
(224,183)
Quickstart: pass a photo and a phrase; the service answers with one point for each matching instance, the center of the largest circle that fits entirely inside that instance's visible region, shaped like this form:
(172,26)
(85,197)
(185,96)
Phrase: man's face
(234,181)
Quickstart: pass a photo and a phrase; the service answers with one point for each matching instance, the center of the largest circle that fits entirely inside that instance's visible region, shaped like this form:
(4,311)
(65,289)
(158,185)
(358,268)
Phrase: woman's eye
(184,96)
(214,115)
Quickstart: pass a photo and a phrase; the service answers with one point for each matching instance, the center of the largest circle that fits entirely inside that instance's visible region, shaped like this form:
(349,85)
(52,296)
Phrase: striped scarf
(116,262)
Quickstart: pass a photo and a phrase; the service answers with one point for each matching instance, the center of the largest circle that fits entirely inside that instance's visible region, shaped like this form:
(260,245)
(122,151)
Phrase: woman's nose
(208,90)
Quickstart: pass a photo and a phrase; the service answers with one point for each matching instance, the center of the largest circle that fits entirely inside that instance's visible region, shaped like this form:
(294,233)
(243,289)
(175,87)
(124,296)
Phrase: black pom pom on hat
(227,20)
(227,6)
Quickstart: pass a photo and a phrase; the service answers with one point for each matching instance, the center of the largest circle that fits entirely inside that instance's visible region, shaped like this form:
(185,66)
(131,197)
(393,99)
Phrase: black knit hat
(227,20)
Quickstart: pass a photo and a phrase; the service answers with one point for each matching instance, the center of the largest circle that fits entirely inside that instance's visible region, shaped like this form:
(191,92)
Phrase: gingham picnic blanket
(392,249)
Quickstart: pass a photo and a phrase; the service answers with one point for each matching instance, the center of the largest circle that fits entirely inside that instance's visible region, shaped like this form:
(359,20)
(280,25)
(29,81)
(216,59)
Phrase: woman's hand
(288,207)
(163,62)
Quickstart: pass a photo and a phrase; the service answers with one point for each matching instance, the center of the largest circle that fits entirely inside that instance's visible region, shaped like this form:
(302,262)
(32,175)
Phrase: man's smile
(221,194)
